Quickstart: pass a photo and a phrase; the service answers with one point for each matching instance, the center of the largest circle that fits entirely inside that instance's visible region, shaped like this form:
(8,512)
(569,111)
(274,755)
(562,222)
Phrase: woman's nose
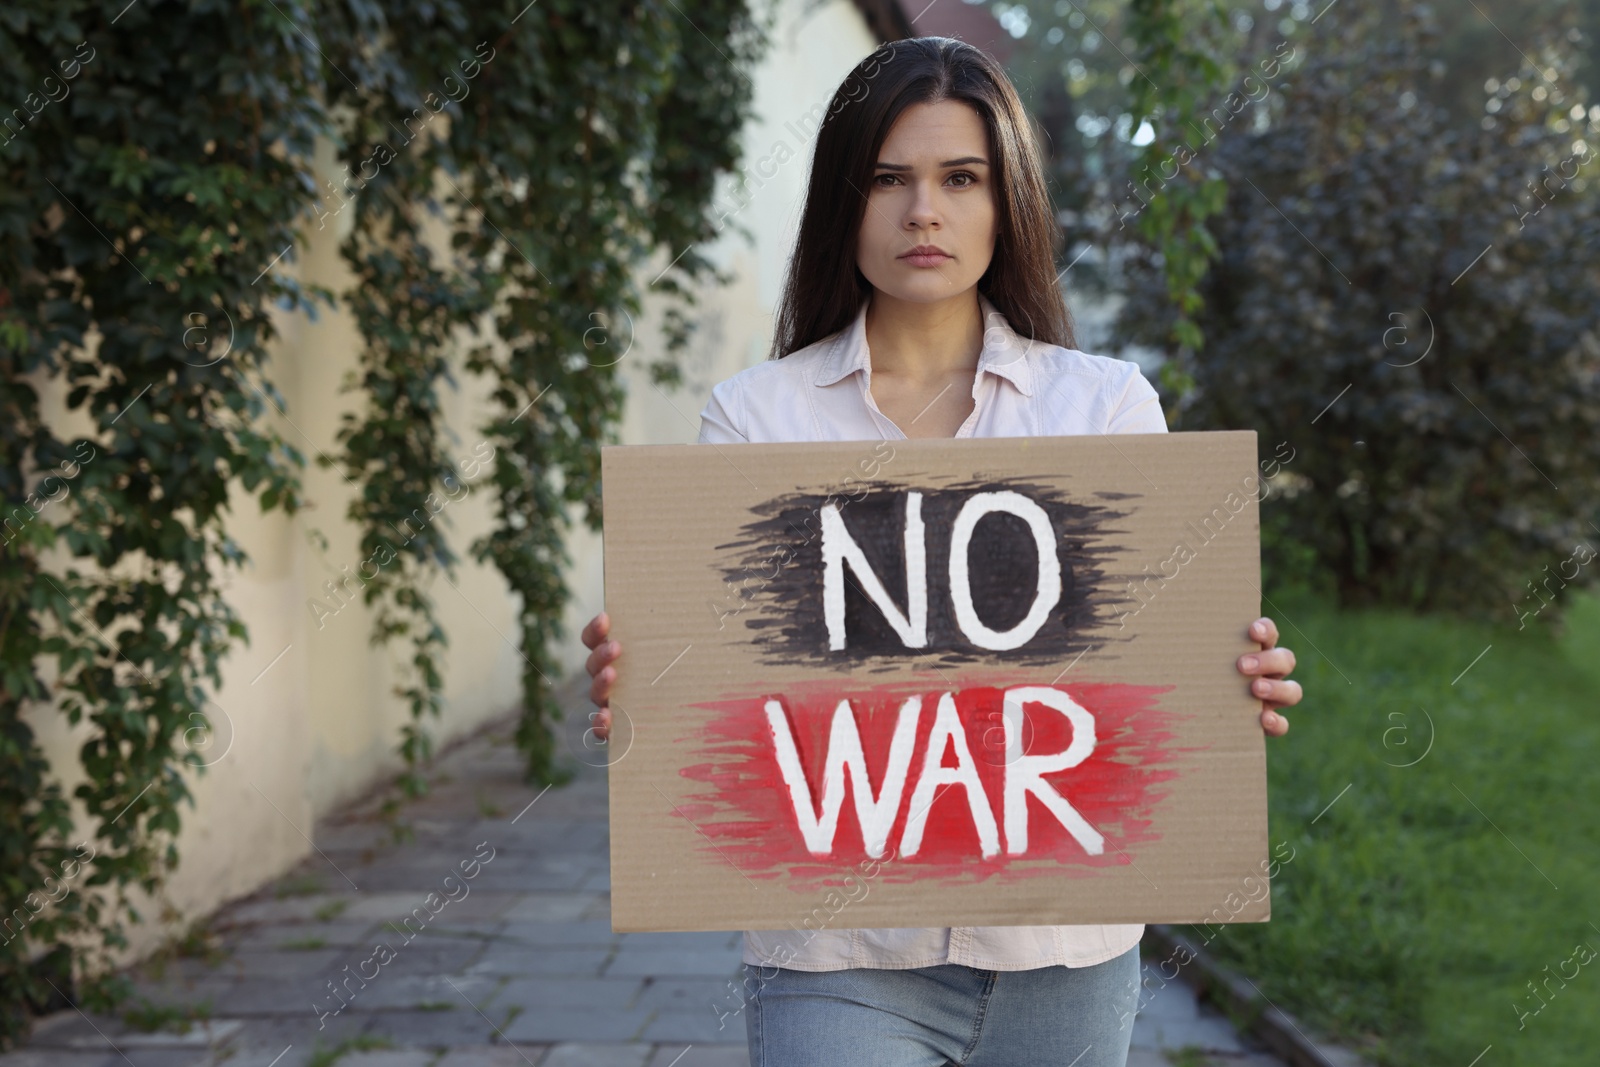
(922,209)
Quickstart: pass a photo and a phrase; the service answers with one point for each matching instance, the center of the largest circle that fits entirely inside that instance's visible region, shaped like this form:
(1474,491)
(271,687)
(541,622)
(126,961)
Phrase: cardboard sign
(984,682)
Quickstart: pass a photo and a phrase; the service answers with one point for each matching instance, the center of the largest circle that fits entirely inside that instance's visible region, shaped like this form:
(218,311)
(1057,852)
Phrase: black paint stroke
(777,564)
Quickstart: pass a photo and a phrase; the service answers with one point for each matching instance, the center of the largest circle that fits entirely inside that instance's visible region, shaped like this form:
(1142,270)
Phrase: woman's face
(931,187)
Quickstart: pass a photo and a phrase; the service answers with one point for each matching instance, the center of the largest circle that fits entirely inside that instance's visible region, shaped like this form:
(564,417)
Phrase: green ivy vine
(143,196)
(563,145)
(159,168)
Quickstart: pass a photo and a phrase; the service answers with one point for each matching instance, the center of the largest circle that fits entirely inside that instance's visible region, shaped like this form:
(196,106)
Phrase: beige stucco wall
(305,719)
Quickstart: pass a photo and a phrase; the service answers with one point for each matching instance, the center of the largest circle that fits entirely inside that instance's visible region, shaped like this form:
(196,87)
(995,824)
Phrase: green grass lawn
(1409,924)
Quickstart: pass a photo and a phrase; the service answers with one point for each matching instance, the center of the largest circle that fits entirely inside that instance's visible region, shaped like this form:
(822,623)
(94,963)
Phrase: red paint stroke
(747,816)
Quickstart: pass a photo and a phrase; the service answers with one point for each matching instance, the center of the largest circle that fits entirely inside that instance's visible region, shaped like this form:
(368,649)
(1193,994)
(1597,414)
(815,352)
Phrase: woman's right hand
(601,673)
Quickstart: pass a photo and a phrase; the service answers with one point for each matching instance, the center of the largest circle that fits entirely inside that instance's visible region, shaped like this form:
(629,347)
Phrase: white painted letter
(1049,591)
(947,725)
(838,547)
(1024,773)
(875,814)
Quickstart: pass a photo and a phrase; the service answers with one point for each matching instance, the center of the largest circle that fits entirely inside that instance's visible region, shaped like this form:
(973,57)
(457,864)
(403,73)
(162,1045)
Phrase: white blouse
(1030,389)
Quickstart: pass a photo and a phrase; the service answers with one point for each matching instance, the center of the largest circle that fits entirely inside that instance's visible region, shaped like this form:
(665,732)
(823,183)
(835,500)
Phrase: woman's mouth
(925,257)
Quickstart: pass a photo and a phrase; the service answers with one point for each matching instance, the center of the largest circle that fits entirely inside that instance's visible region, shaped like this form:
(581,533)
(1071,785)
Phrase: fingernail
(1262,686)
(1258,629)
(1250,663)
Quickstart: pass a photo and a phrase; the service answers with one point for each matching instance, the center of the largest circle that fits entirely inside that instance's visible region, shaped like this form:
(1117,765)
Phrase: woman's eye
(967,178)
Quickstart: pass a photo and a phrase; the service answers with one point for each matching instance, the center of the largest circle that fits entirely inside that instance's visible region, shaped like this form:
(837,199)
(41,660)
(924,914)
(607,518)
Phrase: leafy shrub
(1411,304)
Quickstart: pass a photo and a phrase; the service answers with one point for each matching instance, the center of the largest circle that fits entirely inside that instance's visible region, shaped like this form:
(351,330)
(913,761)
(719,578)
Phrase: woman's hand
(600,671)
(1269,667)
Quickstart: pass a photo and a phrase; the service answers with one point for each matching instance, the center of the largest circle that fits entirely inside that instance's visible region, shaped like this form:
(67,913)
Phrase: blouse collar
(1004,351)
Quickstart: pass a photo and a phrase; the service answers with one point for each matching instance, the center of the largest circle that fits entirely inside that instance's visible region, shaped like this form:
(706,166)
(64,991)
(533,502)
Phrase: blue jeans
(938,1016)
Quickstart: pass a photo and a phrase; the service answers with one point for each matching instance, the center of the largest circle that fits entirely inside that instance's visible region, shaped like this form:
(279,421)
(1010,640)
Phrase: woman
(922,302)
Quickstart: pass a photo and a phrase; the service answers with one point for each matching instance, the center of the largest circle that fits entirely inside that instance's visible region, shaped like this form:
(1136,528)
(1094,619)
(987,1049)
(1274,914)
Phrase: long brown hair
(824,289)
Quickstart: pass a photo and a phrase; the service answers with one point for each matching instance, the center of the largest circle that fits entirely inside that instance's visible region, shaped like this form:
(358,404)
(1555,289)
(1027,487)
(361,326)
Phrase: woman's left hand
(1269,668)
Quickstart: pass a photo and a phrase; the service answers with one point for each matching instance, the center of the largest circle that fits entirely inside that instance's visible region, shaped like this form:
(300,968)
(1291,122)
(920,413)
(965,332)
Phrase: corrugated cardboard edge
(1239,998)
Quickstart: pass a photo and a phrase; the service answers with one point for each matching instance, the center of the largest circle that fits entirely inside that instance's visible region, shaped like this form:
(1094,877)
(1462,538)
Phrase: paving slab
(515,959)
(700,1056)
(257,963)
(552,934)
(461,1025)
(157,1057)
(501,1055)
(571,991)
(587,1054)
(554,906)
(681,1027)
(424,993)
(203,1035)
(50,1057)
(403,1057)
(710,961)
(685,942)
(692,994)
(477,904)
(288,936)
(561,1023)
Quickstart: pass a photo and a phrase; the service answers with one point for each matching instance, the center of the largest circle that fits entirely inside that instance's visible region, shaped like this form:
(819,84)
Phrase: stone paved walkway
(514,967)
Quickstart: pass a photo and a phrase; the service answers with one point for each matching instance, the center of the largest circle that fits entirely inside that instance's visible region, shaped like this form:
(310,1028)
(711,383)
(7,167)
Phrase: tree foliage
(1179,73)
(1409,302)
(158,164)
(1120,89)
